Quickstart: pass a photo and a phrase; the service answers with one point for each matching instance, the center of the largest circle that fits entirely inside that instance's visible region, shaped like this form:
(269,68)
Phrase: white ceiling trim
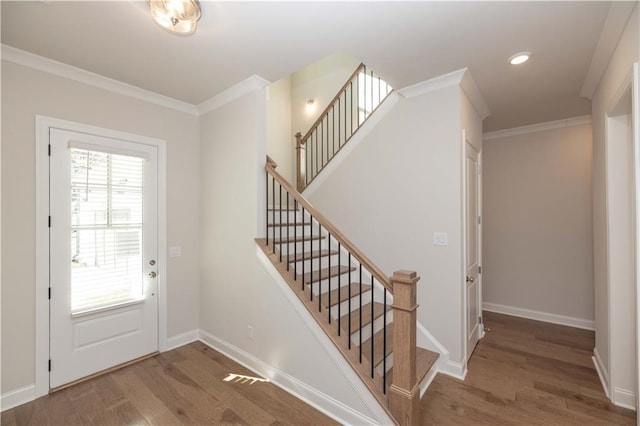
(246,86)
(472,91)
(619,14)
(446,80)
(60,69)
(540,127)
(462,78)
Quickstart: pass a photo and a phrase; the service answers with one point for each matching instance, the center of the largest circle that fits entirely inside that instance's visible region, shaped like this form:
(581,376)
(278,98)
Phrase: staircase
(370,317)
(351,107)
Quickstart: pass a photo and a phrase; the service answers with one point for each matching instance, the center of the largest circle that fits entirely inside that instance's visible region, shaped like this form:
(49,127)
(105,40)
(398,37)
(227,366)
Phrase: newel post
(404,394)
(300,172)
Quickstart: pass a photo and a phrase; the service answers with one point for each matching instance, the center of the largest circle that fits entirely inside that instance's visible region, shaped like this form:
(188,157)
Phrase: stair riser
(310,245)
(293,217)
(389,365)
(318,263)
(355,304)
(293,230)
(366,331)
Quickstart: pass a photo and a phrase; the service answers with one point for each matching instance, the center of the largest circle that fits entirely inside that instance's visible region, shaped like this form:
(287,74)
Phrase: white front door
(472,284)
(103,253)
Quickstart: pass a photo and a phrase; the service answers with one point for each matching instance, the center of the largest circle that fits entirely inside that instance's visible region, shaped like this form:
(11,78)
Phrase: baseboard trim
(455,369)
(17,397)
(539,316)
(603,375)
(318,400)
(182,339)
(624,398)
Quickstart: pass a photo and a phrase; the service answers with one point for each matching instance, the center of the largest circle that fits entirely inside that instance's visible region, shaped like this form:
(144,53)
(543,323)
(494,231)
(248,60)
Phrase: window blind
(106,229)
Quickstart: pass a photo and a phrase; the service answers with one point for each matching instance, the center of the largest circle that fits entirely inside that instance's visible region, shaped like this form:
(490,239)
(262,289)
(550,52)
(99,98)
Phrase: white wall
(236,289)
(398,187)
(280,139)
(538,252)
(319,81)
(626,53)
(27,92)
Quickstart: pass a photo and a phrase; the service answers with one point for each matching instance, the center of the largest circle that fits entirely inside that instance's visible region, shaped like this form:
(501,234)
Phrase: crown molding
(446,80)
(470,88)
(60,69)
(617,19)
(246,86)
(462,78)
(540,127)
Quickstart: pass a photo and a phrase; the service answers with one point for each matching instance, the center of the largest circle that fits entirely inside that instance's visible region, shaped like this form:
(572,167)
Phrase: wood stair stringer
(339,339)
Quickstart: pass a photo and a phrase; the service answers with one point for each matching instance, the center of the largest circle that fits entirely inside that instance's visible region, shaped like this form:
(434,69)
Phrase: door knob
(470,279)
(152,274)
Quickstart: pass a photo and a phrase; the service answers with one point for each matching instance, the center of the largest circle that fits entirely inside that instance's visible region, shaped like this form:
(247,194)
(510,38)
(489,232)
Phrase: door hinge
(49,221)
(479,269)
(479,220)
(49,365)
(49,293)
(479,320)
(49,150)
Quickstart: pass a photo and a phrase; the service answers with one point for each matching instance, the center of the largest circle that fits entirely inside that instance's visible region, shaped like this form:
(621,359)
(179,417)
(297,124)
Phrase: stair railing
(354,103)
(283,204)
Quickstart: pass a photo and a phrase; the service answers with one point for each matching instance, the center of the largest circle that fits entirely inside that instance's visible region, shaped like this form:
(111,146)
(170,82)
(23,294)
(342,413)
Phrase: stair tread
(310,255)
(425,359)
(344,293)
(378,310)
(285,240)
(378,345)
(326,273)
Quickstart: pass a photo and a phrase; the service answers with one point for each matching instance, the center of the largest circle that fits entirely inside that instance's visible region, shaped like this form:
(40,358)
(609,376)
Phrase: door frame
(42,338)
(465,141)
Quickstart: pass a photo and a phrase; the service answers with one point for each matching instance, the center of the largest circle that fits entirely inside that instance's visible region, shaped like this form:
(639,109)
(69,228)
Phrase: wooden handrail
(339,236)
(335,98)
(271,162)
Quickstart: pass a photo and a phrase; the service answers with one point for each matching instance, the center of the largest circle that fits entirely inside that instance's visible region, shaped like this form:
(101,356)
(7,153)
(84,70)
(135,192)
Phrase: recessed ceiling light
(520,58)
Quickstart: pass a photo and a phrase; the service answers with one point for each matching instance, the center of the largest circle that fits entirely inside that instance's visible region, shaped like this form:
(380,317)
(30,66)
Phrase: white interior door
(103,252)
(472,284)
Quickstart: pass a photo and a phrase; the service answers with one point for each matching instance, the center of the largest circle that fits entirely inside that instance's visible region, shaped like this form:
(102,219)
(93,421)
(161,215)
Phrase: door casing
(42,126)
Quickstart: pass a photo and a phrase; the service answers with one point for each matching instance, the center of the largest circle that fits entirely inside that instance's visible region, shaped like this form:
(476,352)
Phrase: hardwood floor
(525,372)
(182,386)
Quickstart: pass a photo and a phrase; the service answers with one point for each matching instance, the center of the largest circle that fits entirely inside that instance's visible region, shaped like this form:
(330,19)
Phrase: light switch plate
(440,238)
(175,251)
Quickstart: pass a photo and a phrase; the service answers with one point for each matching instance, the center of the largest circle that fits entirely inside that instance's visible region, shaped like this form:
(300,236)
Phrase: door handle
(152,274)
(470,279)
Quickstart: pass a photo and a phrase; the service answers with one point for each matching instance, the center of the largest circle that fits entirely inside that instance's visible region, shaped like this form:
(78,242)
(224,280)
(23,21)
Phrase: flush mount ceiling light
(178,16)
(520,58)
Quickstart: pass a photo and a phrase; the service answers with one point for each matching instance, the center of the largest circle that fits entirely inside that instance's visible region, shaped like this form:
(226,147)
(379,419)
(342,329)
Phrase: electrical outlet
(250,332)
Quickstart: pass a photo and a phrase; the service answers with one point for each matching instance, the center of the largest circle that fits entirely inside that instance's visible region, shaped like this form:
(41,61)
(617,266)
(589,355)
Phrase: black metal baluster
(320,270)
(339,290)
(303,227)
(384,345)
(288,225)
(333,129)
(349,319)
(329,290)
(310,258)
(280,204)
(351,105)
(372,321)
(266,207)
(360,315)
(295,238)
(273,212)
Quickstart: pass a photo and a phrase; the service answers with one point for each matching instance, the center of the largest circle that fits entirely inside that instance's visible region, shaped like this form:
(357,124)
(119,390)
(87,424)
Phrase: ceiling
(404,42)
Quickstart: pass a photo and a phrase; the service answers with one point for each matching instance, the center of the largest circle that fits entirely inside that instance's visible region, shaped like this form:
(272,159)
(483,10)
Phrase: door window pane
(106,229)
